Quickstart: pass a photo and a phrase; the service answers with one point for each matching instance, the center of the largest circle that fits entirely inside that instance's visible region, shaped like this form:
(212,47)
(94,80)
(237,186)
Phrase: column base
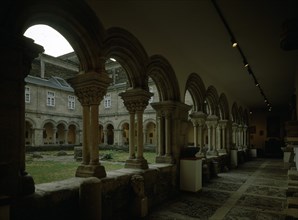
(91,171)
(27,185)
(136,164)
(164,159)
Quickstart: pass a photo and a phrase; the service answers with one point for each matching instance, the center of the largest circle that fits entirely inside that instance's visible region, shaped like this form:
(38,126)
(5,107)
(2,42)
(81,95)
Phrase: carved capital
(90,87)
(198,118)
(136,99)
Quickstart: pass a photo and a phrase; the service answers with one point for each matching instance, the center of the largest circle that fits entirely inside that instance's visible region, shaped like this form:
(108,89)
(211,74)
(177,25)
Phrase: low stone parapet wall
(112,197)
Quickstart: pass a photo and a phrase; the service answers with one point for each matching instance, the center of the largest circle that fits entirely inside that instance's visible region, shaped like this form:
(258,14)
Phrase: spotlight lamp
(245,63)
(234,43)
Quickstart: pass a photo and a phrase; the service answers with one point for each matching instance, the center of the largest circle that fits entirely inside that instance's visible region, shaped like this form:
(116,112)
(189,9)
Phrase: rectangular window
(71,102)
(50,99)
(27,95)
(108,101)
(151,90)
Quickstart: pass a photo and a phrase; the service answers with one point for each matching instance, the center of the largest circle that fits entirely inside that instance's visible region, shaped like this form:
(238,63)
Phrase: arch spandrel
(162,73)
(73,19)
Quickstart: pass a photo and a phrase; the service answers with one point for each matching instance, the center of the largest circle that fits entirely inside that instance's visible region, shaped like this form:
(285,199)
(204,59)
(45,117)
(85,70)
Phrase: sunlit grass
(49,168)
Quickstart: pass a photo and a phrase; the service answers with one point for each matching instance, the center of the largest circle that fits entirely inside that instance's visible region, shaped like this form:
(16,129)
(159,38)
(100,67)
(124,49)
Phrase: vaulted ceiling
(192,36)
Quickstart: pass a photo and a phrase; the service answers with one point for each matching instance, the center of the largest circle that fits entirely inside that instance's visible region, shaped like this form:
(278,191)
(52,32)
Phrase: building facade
(54,114)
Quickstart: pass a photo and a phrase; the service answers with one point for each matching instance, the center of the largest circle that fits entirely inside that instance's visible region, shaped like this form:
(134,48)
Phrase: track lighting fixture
(236,45)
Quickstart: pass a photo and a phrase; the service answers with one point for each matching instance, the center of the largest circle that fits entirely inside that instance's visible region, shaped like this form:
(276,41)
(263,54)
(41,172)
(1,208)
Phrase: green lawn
(52,168)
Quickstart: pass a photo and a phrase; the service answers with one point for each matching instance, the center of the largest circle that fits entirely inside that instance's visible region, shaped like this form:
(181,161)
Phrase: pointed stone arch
(197,90)
(162,73)
(213,100)
(224,107)
(73,19)
(128,51)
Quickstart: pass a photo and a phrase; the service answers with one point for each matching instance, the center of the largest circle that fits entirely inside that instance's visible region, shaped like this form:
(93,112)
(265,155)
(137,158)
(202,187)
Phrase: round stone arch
(235,113)
(107,123)
(74,124)
(30,126)
(224,107)
(128,51)
(62,122)
(213,100)
(49,121)
(149,120)
(31,121)
(164,77)
(197,90)
(73,19)
(120,125)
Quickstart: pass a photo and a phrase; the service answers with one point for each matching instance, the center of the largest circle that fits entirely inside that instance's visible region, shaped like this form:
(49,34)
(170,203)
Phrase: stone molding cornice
(136,99)
(169,107)
(90,87)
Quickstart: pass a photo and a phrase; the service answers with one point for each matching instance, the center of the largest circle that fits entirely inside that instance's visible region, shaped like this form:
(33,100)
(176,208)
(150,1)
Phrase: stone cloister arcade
(215,123)
(51,133)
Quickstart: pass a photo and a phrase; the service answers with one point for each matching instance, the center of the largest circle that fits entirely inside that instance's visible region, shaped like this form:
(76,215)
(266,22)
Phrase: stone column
(17,54)
(201,139)
(198,120)
(140,134)
(214,137)
(209,136)
(131,131)
(223,124)
(90,89)
(195,132)
(38,139)
(234,134)
(245,136)
(168,133)
(145,136)
(66,136)
(161,135)
(219,133)
(85,149)
(94,131)
(79,136)
(105,137)
(136,100)
(54,135)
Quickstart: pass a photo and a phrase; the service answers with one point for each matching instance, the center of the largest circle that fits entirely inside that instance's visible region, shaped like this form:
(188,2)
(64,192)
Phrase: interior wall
(268,126)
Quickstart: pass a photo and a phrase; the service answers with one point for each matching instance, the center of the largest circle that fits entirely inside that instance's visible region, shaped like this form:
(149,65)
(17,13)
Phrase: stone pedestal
(191,175)
(234,158)
(91,170)
(136,164)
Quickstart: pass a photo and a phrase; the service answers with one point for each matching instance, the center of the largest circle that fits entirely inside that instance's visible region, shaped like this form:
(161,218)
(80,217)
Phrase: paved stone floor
(255,190)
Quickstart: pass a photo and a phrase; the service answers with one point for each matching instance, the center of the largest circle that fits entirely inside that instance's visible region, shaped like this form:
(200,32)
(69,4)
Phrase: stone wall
(66,199)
